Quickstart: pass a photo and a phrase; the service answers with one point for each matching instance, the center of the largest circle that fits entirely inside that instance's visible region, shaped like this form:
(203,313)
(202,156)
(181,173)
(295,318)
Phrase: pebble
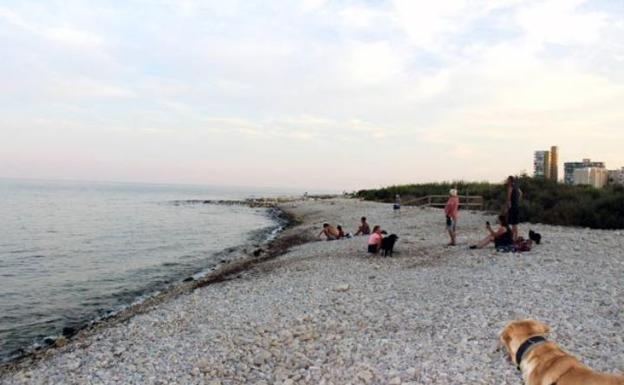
(431,315)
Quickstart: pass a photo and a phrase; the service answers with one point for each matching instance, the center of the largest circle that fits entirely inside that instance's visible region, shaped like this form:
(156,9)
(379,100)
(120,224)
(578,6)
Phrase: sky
(312,94)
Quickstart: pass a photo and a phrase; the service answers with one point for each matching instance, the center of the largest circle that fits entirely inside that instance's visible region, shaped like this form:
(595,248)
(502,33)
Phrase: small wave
(170,264)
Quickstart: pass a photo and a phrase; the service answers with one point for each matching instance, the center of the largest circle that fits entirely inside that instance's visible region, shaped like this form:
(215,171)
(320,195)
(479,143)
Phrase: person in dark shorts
(396,207)
(451,211)
(514,194)
(374,241)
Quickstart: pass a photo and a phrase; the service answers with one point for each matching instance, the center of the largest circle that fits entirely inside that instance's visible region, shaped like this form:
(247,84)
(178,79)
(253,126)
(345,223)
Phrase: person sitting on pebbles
(364,228)
(330,232)
(503,236)
(374,241)
(342,234)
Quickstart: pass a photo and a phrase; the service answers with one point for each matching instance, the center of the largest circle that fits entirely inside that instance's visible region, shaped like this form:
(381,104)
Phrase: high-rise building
(554,163)
(569,167)
(541,164)
(593,176)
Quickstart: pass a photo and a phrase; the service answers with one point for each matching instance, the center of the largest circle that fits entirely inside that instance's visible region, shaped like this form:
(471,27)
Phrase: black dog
(387,245)
(535,237)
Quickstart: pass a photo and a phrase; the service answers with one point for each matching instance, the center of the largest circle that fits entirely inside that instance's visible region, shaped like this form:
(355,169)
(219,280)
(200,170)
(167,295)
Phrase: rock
(60,342)
(395,381)
(343,287)
(261,358)
(366,376)
(72,365)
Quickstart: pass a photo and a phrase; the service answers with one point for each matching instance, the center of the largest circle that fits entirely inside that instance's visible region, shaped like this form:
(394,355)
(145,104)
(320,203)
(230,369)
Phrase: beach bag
(523,245)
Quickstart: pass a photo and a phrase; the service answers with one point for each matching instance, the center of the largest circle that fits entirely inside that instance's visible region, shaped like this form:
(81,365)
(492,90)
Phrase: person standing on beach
(451,210)
(397,204)
(514,194)
(374,241)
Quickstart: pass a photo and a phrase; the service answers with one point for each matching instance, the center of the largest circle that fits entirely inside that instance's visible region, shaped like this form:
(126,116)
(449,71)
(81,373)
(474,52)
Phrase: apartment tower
(554,163)
(541,164)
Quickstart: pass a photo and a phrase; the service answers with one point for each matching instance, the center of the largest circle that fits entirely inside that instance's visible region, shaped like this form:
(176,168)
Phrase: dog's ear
(546,328)
(541,328)
(505,338)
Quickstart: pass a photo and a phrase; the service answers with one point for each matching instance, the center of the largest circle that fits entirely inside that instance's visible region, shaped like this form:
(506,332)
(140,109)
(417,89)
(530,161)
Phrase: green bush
(543,201)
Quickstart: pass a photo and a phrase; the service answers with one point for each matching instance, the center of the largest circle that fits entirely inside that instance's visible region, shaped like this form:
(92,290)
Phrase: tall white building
(593,176)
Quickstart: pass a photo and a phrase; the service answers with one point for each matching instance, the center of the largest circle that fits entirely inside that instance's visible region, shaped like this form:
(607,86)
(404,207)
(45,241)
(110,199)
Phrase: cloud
(85,88)
(73,37)
(53,31)
(314,80)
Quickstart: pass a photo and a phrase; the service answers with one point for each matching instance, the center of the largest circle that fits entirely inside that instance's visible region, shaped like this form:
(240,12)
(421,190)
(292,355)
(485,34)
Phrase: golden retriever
(543,363)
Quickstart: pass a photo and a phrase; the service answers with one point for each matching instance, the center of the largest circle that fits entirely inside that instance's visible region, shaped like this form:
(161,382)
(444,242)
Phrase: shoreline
(326,312)
(268,240)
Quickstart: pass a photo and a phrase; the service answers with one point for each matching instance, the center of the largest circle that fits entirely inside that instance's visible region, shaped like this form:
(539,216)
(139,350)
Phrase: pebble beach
(326,312)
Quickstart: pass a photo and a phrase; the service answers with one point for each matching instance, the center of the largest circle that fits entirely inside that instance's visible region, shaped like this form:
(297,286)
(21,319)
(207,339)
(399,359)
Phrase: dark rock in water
(188,279)
(48,341)
(222,261)
(69,331)
(257,252)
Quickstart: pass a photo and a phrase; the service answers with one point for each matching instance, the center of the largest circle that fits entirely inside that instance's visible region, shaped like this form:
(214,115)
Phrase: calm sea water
(73,252)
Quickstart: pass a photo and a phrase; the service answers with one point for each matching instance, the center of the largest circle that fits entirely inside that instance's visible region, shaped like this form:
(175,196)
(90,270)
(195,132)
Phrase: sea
(73,253)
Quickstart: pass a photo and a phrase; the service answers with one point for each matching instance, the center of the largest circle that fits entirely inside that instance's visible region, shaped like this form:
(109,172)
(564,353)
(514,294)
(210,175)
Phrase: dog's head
(516,332)
(392,238)
(535,237)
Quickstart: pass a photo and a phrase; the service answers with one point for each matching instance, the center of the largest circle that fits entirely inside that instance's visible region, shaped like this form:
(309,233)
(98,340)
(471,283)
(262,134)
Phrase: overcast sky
(311,94)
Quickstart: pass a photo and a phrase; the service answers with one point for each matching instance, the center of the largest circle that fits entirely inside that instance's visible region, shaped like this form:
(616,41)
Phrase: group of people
(505,235)
(333,233)
(375,236)
(507,232)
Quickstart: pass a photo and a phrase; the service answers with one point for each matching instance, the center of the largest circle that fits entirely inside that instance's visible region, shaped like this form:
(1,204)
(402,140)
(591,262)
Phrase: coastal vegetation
(543,201)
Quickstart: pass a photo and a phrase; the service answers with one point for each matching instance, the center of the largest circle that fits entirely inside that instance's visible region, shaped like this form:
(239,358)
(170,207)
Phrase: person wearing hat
(451,210)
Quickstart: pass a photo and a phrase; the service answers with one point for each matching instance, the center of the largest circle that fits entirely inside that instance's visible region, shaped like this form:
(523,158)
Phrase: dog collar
(526,345)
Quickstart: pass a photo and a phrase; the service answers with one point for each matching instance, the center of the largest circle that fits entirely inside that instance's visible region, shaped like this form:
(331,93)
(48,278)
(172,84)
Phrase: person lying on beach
(330,232)
(502,237)
(374,241)
(364,228)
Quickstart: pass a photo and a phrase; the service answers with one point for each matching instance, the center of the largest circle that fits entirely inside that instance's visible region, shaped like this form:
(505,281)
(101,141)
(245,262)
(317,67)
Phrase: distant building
(616,176)
(554,163)
(545,164)
(593,176)
(569,167)
(541,164)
